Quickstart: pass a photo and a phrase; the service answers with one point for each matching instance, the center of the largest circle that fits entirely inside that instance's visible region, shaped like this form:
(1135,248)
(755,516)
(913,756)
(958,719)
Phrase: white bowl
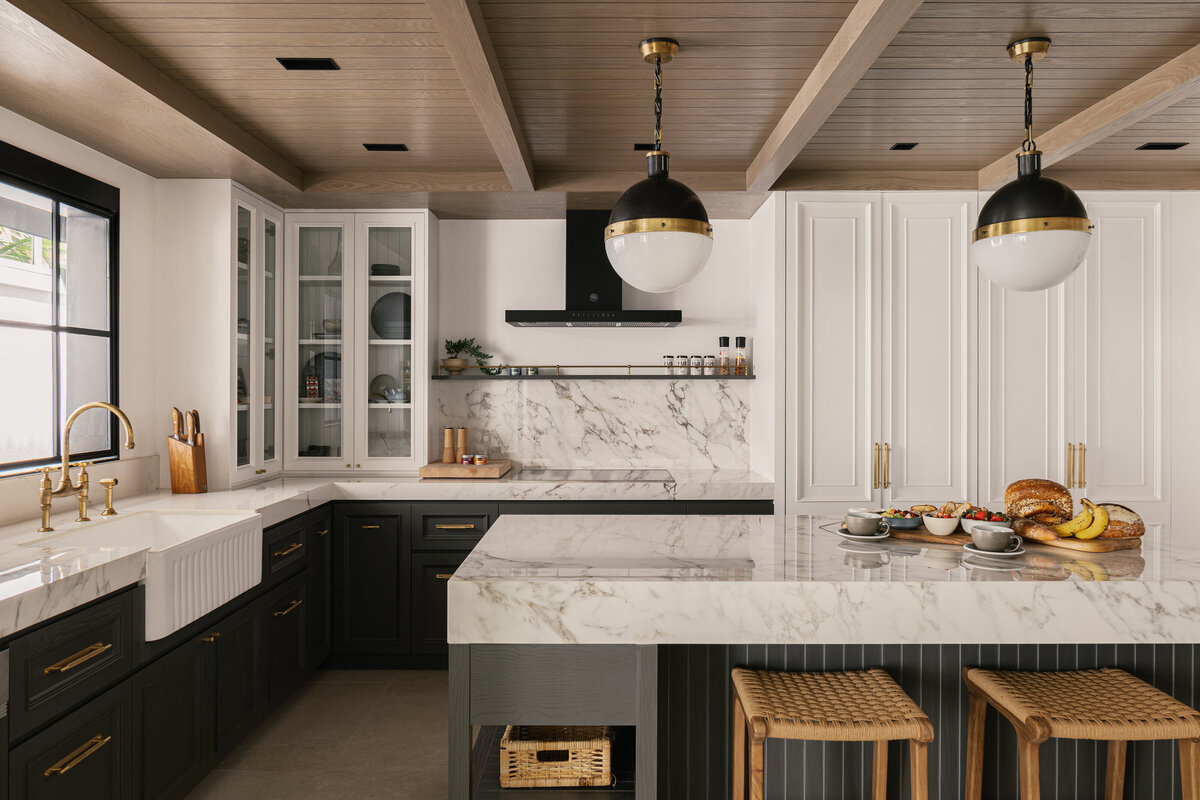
(939,526)
(969,525)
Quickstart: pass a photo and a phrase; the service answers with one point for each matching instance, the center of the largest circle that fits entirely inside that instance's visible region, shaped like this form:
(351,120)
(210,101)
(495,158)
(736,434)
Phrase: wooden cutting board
(1091,546)
(493,469)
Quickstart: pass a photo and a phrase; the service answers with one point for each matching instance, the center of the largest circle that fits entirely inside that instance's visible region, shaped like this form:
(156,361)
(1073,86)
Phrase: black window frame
(63,185)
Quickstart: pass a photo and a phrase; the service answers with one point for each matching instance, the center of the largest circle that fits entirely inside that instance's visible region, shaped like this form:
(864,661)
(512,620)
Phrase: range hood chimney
(593,286)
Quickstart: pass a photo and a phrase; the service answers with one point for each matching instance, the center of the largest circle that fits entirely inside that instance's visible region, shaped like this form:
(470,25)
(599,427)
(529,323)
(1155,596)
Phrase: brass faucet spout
(64,481)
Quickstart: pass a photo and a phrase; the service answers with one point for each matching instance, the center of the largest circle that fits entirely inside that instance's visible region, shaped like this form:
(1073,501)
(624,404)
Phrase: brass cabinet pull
(260,472)
(71,662)
(76,757)
(287,551)
(887,465)
(1082,465)
(370,527)
(445,526)
(1070,465)
(291,607)
(322,533)
(444,576)
(875,467)
(212,637)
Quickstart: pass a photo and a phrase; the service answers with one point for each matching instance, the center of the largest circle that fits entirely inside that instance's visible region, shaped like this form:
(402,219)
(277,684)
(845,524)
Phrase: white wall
(768,263)
(138,324)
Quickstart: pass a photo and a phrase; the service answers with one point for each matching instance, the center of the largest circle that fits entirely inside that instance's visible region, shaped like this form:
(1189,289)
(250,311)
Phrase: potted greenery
(454,363)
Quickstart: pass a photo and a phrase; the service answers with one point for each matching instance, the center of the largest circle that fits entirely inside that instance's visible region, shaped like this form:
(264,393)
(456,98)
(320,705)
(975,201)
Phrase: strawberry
(980,515)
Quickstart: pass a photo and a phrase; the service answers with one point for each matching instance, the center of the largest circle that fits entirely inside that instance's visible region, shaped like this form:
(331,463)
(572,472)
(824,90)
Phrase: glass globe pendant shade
(658,236)
(1033,232)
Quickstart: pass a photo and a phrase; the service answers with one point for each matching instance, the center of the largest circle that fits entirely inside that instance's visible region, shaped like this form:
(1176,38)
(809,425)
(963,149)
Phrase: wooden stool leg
(879,772)
(976,716)
(918,755)
(1031,769)
(1114,771)
(739,751)
(756,769)
(1189,768)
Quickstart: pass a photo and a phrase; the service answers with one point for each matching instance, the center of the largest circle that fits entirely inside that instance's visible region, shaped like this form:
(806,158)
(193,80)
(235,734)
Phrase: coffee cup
(865,523)
(995,538)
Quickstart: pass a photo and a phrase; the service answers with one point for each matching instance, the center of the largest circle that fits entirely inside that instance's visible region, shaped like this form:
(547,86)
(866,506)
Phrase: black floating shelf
(550,376)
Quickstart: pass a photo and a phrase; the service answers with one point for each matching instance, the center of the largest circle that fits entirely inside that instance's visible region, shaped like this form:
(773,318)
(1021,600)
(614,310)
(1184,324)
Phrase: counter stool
(864,706)
(1106,704)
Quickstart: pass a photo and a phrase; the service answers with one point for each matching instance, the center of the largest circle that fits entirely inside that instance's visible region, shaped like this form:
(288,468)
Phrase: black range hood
(593,286)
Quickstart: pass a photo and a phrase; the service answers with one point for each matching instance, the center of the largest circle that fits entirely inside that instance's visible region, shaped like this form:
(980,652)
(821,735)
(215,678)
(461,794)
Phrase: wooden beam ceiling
(466,37)
(1153,92)
(869,28)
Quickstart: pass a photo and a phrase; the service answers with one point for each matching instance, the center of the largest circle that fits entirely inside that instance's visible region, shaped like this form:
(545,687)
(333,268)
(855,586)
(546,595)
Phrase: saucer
(995,566)
(863,549)
(871,537)
(1009,553)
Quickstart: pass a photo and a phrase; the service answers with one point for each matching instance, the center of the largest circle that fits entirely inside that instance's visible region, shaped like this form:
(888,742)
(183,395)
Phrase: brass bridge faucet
(45,493)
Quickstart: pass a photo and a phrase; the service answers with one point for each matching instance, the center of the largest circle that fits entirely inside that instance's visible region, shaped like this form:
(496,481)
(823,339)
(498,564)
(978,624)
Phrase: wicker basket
(536,756)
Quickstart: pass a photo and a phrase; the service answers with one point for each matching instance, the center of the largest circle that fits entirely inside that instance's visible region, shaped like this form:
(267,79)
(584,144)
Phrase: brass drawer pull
(444,576)
(322,533)
(76,757)
(291,607)
(287,551)
(1082,465)
(445,526)
(370,527)
(71,662)
(212,637)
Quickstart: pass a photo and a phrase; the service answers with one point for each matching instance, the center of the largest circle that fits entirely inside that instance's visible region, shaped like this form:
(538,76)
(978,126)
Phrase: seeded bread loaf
(1035,496)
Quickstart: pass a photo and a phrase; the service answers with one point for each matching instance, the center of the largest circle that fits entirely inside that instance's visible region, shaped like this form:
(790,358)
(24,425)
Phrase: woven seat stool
(1103,704)
(861,706)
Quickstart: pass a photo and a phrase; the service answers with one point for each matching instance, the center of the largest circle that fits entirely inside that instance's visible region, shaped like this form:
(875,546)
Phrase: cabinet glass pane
(268,376)
(243,335)
(319,331)
(389,343)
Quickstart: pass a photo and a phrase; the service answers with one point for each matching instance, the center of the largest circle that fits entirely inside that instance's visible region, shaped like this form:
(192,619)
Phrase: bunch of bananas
(1087,570)
(1089,523)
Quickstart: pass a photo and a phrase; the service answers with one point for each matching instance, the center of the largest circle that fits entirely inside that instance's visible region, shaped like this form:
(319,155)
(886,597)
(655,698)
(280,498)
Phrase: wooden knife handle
(196,420)
(176,423)
(190,426)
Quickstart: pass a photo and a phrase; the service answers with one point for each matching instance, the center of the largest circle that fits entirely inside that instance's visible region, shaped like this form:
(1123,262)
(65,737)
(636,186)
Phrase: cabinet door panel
(1119,351)
(285,624)
(370,602)
(430,574)
(833,330)
(928,364)
(237,677)
(169,709)
(320,579)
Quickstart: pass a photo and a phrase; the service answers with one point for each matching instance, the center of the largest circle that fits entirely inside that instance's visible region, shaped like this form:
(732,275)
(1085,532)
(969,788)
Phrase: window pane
(26,257)
(27,419)
(84,375)
(83,269)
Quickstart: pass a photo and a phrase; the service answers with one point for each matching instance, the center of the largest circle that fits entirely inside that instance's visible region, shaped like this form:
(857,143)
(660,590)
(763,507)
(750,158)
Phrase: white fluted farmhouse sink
(196,560)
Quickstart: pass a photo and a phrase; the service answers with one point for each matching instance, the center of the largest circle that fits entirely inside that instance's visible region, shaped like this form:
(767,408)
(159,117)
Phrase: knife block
(189,472)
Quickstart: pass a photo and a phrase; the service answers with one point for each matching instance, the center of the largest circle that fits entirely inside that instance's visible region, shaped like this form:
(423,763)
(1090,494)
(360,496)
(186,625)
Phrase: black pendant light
(1033,232)
(658,236)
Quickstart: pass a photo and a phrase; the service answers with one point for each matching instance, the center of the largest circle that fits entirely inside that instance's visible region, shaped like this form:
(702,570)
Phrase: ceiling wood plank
(81,32)
(462,28)
(1150,93)
(867,31)
(377,181)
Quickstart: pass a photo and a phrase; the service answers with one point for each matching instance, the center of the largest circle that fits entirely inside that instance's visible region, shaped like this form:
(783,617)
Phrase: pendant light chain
(1028,145)
(658,103)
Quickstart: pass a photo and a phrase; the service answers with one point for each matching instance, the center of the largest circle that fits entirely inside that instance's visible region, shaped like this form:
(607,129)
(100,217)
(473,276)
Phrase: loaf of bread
(1036,531)
(1034,496)
(1123,523)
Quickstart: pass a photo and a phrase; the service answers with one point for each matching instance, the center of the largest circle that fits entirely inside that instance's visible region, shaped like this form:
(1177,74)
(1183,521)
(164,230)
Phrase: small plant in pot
(454,363)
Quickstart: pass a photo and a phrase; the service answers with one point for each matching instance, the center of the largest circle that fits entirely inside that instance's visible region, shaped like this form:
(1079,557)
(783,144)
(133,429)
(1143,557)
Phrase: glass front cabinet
(257,257)
(357,362)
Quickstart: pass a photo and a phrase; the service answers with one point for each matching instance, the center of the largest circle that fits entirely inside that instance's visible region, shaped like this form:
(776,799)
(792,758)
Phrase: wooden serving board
(492,469)
(960,538)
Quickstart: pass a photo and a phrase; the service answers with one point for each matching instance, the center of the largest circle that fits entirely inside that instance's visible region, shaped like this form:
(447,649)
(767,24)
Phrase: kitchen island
(637,620)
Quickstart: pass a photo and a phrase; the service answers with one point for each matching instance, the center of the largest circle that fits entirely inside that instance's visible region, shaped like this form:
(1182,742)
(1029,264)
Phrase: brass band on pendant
(648,224)
(1033,224)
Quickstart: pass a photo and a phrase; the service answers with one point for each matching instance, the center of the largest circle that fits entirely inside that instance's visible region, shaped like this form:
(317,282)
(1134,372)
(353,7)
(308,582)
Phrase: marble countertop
(784,580)
(43,579)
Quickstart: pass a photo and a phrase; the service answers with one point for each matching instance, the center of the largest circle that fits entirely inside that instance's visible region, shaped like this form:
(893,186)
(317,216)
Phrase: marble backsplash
(603,424)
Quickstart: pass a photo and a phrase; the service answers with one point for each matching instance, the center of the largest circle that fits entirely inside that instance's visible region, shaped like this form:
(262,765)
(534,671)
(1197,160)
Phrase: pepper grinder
(460,449)
(448,446)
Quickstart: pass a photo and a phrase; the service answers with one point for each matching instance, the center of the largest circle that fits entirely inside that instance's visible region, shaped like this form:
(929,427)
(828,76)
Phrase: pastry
(1030,529)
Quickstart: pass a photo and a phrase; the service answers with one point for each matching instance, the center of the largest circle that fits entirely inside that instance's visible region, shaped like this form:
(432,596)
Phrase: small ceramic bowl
(969,525)
(904,523)
(939,526)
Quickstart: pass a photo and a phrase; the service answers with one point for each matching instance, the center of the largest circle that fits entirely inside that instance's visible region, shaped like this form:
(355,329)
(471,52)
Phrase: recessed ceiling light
(395,147)
(311,64)
(644,146)
(903,146)
(1162,145)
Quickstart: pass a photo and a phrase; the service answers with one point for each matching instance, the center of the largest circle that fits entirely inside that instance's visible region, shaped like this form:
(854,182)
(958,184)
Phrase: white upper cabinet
(928,367)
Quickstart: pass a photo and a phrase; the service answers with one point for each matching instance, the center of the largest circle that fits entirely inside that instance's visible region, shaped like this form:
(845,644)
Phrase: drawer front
(430,574)
(285,549)
(59,666)
(86,754)
(451,526)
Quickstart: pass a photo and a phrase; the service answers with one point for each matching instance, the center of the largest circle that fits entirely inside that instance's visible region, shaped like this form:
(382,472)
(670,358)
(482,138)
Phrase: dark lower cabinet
(171,722)
(320,584)
(86,754)
(286,631)
(237,688)
(430,574)
(370,601)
